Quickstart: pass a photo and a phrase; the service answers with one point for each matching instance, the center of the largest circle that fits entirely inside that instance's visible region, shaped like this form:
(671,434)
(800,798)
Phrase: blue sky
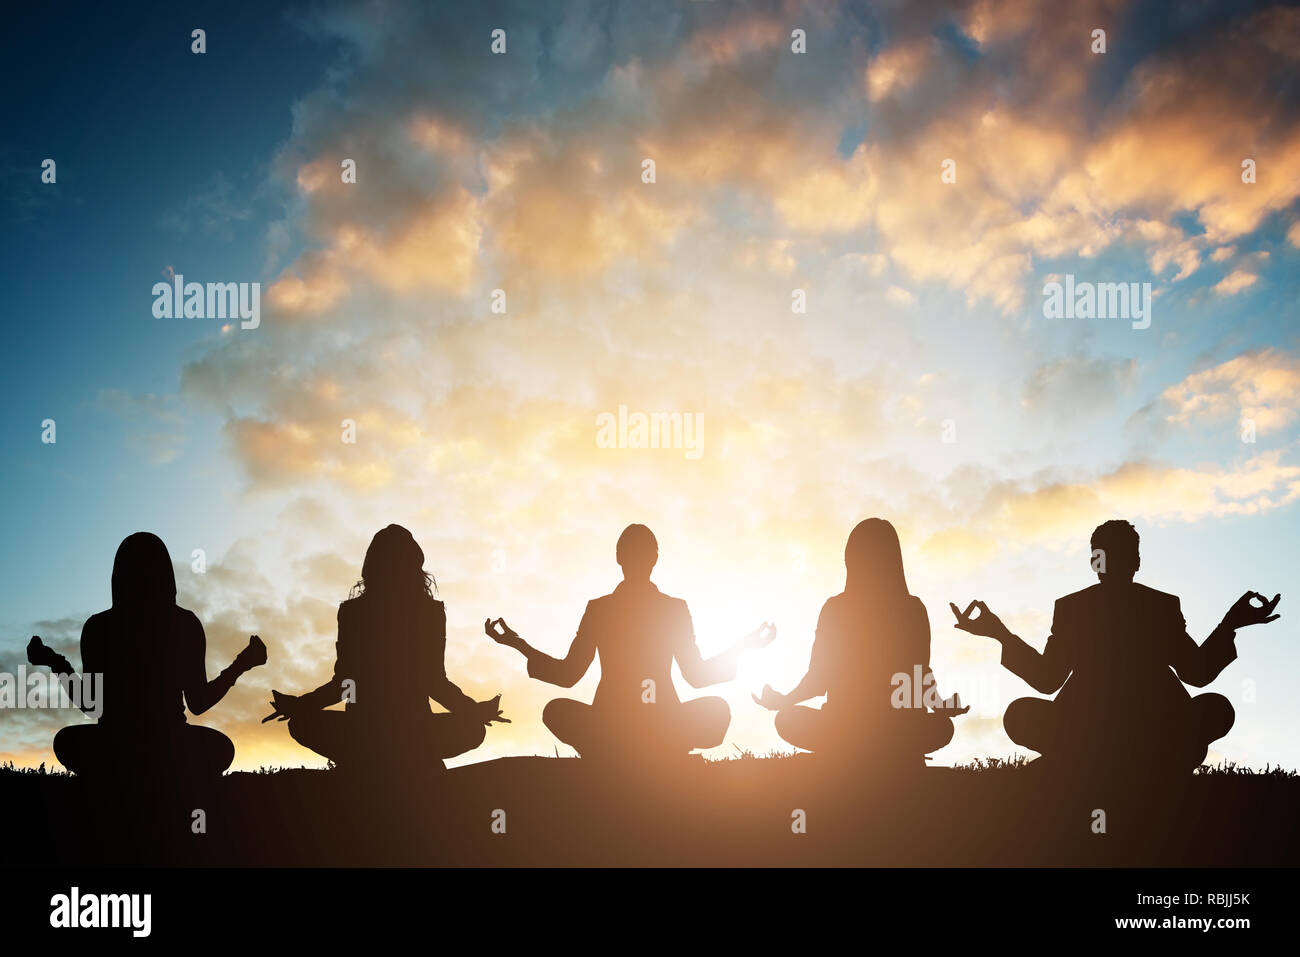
(775,171)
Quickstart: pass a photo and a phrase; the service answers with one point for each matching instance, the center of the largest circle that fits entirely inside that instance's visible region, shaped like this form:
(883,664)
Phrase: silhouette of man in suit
(1122,652)
(150,653)
(638,632)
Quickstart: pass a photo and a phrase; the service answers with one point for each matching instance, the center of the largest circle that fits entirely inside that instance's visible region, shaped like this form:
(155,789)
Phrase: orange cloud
(1262,386)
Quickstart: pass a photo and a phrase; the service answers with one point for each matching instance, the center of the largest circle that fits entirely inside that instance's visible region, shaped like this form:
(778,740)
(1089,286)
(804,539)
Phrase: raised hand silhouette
(503,634)
(985,623)
(760,637)
(40,654)
(253,655)
(1244,612)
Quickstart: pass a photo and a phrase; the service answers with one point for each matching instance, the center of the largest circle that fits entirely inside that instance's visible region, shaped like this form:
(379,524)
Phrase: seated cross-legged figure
(637,631)
(389,661)
(871,658)
(142,664)
(1119,654)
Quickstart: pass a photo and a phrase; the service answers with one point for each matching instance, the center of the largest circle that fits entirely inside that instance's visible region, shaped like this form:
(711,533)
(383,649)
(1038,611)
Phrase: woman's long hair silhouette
(873,558)
(144,585)
(394,566)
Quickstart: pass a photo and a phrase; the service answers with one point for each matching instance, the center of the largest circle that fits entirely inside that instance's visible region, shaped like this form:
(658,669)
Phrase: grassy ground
(741,812)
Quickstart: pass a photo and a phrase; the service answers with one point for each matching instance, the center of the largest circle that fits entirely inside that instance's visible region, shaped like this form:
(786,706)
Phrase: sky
(837,270)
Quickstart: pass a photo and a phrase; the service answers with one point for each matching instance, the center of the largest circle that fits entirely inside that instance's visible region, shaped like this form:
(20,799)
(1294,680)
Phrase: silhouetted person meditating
(871,658)
(150,653)
(1113,646)
(390,652)
(637,631)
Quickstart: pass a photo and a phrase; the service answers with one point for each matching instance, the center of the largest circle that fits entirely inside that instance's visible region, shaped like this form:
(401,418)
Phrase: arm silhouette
(565,672)
(74,685)
(1198,665)
(951,706)
(284,706)
(200,693)
(700,672)
(442,689)
(1045,672)
(816,680)
(811,685)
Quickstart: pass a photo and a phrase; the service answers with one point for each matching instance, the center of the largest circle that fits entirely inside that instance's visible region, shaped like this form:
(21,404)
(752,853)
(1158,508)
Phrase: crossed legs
(347,741)
(660,728)
(186,750)
(1179,742)
(914,733)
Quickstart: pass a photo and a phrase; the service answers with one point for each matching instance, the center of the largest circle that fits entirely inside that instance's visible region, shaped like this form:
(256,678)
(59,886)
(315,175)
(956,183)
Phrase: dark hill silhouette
(563,811)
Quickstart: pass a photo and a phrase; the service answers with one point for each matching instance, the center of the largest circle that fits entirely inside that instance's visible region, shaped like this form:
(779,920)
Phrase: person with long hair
(871,658)
(148,656)
(392,639)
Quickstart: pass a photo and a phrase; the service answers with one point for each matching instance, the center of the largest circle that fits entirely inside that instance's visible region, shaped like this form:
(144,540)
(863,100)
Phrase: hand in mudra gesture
(770,699)
(254,653)
(39,653)
(490,711)
(760,637)
(283,706)
(952,706)
(985,623)
(500,632)
(1245,612)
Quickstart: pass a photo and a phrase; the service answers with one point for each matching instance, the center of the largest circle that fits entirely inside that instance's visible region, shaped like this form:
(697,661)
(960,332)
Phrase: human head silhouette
(1115,556)
(637,552)
(874,560)
(394,564)
(143,577)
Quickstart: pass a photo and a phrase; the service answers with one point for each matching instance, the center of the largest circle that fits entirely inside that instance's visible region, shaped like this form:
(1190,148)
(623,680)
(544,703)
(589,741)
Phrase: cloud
(1235,282)
(899,295)
(1076,384)
(1261,385)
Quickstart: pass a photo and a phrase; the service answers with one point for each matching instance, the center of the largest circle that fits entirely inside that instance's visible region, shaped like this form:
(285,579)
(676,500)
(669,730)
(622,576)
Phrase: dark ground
(561,812)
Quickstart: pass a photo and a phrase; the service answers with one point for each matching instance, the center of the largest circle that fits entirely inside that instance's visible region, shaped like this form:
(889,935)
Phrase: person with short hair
(1119,653)
(638,632)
